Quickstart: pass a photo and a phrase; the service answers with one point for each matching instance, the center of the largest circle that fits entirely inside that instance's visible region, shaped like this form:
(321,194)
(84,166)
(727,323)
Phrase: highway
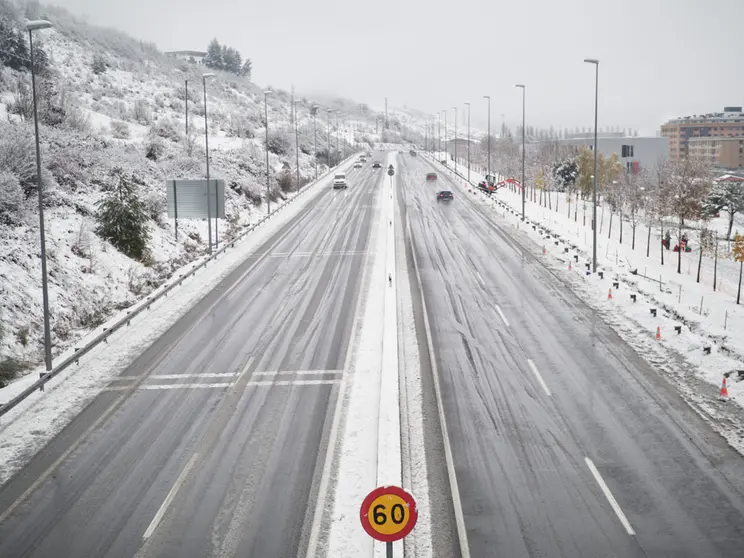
(564,441)
(212,441)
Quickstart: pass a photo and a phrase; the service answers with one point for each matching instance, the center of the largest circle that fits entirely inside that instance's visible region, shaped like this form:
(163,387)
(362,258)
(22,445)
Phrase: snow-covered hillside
(129,122)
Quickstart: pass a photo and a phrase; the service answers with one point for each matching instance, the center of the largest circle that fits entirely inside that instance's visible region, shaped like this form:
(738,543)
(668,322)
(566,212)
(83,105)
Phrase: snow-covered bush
(18,157)
(142,112)
(11,198)
(119,129)
(240,126)
(154,147)
(99,65)
(279,143)
(166,128)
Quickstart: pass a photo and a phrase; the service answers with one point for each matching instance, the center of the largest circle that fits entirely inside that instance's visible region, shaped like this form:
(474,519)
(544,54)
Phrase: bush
(167,129)
(11,368)
(11,199)
(284,180)
(279,143)
(154,148)
(18,157)
(120,130)
(99,65)
(142,112)
(241,127)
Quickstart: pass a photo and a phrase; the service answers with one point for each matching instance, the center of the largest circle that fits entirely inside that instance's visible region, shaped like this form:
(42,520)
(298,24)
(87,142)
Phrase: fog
(658,58)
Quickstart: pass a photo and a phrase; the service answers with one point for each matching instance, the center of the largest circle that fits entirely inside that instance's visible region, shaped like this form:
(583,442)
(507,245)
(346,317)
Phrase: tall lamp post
(524,131)
(206,143)
(35,26)
(328,137)
(266,121)
(455,109)
(315,140)
(446,147)
(297,145)
(468,105)
(489,132)
(594,190)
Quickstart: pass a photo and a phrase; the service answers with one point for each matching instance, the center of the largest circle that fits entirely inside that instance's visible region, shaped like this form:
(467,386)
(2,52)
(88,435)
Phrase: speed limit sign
(388,513)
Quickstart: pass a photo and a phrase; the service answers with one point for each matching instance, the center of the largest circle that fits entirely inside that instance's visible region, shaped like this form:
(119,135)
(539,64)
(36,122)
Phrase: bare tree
(687,187)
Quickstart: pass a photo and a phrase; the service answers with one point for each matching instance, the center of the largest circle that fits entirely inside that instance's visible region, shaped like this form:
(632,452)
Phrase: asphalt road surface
(211,443)
(565,442)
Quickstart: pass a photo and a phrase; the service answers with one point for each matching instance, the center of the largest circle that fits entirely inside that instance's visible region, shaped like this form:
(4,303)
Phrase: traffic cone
(569,265)
(609,295)
(723,395)
(544,250)
(658,333)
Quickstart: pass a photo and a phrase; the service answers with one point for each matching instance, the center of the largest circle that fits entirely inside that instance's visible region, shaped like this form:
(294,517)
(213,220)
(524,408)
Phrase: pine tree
(213,59)
(122,220)
(725,195)
(247,68)
(232,60)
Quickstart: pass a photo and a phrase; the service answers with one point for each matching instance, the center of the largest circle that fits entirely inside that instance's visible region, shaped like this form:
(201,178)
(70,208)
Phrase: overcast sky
(659,58)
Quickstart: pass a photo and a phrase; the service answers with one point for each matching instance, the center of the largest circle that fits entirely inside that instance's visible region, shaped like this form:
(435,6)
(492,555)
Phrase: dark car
(412,152)
(376,165)
(445,195)
(431,177)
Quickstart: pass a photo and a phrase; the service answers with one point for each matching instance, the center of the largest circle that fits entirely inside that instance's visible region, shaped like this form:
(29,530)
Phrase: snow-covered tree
(123,220)
(247,69)
(213,59)
(728,196)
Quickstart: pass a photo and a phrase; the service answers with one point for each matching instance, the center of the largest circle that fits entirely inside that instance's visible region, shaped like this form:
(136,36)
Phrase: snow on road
(29,426)
(680,356)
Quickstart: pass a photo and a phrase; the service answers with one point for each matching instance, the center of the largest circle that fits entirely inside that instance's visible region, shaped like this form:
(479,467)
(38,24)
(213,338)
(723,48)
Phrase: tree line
(227,59)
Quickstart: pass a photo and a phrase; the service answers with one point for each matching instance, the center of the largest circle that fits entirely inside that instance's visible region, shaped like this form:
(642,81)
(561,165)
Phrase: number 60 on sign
(388,513)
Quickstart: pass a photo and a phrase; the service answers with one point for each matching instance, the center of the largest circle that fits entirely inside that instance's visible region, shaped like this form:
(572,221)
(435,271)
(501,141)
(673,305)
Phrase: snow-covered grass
(677,300)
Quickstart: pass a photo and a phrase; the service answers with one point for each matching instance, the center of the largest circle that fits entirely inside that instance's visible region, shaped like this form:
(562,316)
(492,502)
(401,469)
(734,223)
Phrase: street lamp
(328,115)
(468,104)
(594,191)
(446,147)
(297,145)
(35,26)
(315,140)
(524,131)
(489,132)
(266,119)
(455,109)
(206,142)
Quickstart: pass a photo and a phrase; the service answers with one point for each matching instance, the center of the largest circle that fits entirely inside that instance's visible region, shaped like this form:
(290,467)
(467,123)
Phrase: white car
(339,181)
(357,165)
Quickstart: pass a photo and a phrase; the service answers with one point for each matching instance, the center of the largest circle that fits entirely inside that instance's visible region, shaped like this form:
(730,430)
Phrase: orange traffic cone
(609,295)
(658,333)
(723,395)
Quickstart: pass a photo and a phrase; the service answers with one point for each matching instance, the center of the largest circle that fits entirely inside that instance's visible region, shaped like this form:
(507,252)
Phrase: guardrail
(147,302)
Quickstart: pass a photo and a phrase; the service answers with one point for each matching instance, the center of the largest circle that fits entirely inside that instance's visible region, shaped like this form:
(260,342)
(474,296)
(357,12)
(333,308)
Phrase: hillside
(125,123)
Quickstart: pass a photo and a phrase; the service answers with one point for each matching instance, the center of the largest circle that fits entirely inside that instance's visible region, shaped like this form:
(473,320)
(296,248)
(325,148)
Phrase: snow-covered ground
(131,122)
(681,356)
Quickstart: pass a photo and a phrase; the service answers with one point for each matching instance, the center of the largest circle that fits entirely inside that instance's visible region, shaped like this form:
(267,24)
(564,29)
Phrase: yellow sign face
(388,514)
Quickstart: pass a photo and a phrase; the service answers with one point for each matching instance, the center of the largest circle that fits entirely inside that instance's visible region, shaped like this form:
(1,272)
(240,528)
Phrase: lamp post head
(268,92)
(38,24)
(487,97)
(208,75)
(591,61)
(521,86)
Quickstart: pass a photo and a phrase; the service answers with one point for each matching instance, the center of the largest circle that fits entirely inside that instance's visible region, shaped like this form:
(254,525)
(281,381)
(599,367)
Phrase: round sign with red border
(388,513)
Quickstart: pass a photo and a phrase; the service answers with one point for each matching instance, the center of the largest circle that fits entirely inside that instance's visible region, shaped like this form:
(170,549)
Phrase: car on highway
(376,165)
(445,195)
(362,159)
(339,181)
(431,177)
(358,165)
(412,152)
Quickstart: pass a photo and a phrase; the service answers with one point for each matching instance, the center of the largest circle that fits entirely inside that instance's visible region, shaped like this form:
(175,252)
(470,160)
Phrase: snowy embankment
(30,425)
(695,358)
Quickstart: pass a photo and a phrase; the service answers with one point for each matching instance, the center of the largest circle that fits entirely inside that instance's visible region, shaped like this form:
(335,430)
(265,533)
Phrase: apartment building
(726,124)
(719,152)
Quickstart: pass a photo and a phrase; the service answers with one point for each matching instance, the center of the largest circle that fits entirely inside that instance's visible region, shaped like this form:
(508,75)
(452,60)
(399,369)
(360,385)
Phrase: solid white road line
(610,497)
(298,372)
(184,376)
(538,376)
(498,309)
(269,383)
(169,498)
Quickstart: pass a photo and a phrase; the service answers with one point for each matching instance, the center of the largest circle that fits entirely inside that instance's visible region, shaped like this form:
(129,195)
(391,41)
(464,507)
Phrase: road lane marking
(269,383)
(169,498)
(538,376)
(298,372)
(498,309)
(610,497)
(221,385)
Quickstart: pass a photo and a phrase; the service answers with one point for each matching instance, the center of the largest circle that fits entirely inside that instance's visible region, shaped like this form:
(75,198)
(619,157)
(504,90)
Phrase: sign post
(388,514)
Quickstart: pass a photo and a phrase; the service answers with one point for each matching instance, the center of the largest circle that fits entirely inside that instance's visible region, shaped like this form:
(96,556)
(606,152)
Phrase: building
(193,56)
(719,152)
(726,124)
(635,153)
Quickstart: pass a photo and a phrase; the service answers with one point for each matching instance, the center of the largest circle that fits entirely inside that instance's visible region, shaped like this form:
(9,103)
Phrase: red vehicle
(431,177)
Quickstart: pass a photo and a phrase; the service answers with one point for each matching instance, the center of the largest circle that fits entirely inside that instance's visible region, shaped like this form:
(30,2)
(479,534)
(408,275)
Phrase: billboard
(187,199)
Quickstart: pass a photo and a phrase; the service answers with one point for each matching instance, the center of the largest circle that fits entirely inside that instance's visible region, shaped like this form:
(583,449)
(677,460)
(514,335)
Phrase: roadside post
(388,514)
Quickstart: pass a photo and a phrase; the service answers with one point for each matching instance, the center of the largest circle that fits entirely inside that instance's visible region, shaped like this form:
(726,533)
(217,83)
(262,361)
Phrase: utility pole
(468,104)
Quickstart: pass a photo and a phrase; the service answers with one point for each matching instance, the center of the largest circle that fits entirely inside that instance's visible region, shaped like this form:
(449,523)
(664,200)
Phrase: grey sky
(659,58)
